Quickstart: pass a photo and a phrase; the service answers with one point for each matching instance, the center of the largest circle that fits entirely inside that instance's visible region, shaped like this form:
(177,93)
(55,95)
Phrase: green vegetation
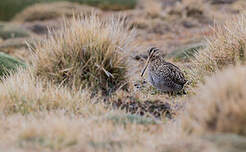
(9,8)
(110,4)
(8,63)
(129,118)
(186,52)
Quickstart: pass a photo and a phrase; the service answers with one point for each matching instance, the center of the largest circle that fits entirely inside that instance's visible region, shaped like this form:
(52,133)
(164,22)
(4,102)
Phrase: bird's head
(153,53)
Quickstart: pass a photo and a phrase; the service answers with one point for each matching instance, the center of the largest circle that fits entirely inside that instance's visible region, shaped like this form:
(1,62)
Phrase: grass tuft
(88,52)
(226,47)
(24,94)
(219,105)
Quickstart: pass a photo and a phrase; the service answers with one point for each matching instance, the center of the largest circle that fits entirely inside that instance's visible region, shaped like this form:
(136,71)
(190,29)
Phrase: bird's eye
(152,50)
(149,51)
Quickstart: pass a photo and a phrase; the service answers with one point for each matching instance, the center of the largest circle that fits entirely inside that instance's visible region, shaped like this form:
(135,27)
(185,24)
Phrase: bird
(163,75)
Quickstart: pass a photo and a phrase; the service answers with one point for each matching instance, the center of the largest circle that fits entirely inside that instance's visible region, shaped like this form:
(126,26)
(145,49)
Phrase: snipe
(163,75)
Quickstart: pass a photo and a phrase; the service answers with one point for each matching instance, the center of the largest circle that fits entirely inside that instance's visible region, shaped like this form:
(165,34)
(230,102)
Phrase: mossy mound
(8,64)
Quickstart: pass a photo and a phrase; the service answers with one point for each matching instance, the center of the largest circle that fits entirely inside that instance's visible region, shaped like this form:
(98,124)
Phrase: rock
(39,28)
(222,1)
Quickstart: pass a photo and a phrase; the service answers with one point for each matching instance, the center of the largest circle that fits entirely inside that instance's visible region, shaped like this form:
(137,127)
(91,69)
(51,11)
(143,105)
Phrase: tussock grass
(219,105)
(23,93)
(226,47)
(87,52)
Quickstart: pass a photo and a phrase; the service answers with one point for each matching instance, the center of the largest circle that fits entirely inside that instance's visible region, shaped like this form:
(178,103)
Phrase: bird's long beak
(145,67)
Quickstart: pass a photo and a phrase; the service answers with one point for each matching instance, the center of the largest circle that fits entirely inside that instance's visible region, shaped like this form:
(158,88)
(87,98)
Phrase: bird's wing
(174,74)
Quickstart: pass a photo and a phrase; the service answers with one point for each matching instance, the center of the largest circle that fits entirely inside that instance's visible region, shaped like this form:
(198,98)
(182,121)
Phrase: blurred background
(173,25)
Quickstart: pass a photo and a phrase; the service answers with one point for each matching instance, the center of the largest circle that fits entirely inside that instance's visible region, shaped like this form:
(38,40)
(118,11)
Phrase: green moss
(41,141)
(186,52)
(129,118)
(107,145)
(9,8)
(110,4)
(8,63)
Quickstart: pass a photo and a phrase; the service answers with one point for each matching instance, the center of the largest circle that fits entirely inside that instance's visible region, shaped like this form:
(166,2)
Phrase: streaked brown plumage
(163,75)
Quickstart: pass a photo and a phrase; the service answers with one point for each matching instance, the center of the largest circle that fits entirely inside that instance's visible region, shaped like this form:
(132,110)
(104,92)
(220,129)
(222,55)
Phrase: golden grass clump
(228,44)
(87,52)
(226,47)
(219,105)
(23,93)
